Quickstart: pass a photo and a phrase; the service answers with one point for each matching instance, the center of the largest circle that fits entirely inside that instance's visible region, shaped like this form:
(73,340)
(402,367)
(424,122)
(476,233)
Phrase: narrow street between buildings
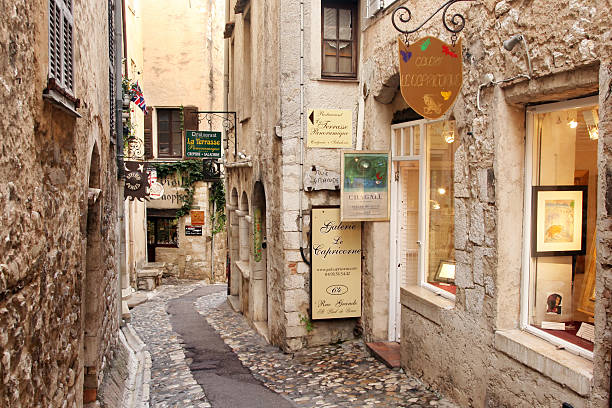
(204,354)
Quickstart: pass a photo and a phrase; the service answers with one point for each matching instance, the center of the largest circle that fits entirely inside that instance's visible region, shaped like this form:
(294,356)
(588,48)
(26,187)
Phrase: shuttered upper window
(61,44)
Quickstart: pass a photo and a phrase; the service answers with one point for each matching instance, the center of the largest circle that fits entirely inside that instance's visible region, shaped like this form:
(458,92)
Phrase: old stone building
(59,254)
(175,56)
(451,275)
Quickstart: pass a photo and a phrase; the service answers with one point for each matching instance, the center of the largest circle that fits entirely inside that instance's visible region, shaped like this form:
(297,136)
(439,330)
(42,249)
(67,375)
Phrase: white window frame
(528,261)
(65,17)
(394,283)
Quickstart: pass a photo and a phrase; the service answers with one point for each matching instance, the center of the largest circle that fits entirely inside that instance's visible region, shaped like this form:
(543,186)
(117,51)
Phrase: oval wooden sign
(431,75)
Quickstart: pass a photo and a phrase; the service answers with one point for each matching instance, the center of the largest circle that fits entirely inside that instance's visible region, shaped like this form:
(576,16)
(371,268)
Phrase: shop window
(162,231)
(561,204)
(169,133)
(423,155)
(339,45)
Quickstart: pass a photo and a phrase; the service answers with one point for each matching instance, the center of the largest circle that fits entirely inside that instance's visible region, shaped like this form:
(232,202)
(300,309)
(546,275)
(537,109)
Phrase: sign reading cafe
(336,266)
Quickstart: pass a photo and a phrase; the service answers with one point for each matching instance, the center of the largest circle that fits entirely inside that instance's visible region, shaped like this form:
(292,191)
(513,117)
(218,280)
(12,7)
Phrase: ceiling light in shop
(441,191)
(591,118)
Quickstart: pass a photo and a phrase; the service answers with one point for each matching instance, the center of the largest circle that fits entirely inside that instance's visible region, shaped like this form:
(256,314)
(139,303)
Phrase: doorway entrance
(422,250)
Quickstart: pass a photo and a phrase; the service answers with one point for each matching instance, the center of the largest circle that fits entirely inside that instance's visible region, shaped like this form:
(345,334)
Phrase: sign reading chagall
(330,128)
(365,186)
(203,144)
(336,266)
(431,75)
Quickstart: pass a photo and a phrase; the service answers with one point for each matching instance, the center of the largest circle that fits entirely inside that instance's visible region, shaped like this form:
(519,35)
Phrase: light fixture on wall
(434,205)
(241,155)
(509,45)
(571,120)
(591,118)
(441,191)
(448,131)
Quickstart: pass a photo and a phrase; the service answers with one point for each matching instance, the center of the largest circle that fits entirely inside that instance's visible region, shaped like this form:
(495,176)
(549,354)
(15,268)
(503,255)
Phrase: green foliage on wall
(188,172)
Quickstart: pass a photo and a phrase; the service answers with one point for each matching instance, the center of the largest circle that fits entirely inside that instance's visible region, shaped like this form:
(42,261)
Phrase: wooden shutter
(61,58)
(190,118)
(148,133)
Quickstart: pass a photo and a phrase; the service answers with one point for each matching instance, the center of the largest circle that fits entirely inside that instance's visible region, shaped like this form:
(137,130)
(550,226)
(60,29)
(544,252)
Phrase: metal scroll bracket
(228,122)
(402,16)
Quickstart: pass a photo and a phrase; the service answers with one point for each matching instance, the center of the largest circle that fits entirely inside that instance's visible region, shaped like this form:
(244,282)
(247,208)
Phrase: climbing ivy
(188,172)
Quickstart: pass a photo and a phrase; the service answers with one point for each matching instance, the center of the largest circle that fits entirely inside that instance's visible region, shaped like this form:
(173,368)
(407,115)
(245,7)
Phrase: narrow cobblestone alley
(342,375)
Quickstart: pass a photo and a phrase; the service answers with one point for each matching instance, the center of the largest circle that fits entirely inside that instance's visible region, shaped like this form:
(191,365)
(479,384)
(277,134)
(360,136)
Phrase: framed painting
(364,187)
(558,220)
(446,272)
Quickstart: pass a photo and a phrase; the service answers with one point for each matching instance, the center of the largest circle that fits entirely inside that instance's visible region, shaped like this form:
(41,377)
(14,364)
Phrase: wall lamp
(510,43)
(242,156)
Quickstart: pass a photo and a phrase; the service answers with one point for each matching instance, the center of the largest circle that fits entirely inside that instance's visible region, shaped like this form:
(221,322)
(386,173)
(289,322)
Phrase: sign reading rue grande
(330,128)
(431,75)
(336,266)
(203,144)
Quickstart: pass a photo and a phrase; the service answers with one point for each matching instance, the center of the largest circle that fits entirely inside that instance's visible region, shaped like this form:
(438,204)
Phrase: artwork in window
(559,214)
(446,272)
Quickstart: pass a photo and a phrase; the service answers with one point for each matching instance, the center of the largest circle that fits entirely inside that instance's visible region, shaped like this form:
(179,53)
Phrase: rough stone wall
(458,355)
(44,165)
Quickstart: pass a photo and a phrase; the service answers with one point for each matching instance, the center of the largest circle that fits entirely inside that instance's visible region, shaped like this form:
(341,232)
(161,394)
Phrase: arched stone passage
(243,252)
(259,276)
(92,309)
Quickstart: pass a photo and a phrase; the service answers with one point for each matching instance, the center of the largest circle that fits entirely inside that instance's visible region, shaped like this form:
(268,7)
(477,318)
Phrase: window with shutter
(339,38)
(61,46)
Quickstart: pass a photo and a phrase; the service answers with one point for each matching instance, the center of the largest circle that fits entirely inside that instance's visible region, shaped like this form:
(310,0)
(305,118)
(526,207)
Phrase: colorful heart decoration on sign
(406,55)
(431,75)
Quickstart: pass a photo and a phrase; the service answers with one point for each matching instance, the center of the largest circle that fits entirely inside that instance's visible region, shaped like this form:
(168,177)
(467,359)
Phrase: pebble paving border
(343,375)
(172,384)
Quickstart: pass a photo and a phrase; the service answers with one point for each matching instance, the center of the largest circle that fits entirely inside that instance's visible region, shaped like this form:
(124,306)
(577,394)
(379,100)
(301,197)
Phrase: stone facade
(472,348)
(58,213)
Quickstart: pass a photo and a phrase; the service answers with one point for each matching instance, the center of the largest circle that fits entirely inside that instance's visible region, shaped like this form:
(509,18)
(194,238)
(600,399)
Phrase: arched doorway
(243,253)
(234,243)
(259,279)
(91,295)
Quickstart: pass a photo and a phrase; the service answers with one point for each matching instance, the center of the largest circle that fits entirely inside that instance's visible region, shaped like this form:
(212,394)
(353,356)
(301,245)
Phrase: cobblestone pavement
(342,375)
(172,384)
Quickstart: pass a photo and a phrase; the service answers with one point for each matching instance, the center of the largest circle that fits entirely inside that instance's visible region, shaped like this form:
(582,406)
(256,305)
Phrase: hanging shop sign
(365,186)
(135,180)
(319,178)
(156,191)
(257,234)
(330,128)
(203,144)
(336,266)
(197,217)
(431,75)
(193,231)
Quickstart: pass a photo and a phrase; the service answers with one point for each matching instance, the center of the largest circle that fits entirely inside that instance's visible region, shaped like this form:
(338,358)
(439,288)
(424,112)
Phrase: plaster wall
(456,348)
(45,167)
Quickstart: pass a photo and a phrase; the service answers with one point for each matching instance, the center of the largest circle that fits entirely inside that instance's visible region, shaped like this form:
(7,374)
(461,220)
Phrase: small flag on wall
(138,97)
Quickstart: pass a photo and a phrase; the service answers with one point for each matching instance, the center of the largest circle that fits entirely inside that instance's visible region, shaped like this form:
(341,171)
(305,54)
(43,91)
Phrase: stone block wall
(45,157)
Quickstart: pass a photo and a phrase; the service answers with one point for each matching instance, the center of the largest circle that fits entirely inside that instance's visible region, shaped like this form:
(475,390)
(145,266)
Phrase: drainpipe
(226,43)
(301,212)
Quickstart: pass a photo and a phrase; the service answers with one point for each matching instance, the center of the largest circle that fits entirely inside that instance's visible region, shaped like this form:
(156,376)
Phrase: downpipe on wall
(301,193)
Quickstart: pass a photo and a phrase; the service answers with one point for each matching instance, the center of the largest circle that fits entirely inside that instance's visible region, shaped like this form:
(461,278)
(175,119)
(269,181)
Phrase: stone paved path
(343,375)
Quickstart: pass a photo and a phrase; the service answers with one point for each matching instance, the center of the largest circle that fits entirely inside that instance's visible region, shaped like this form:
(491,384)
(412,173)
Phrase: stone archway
(234,242)
(243,252)
(259,277)
(92,292)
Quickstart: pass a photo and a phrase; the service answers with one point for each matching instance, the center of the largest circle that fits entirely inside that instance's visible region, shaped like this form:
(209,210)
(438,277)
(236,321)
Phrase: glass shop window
(162,231)
(440,238)
(563,224)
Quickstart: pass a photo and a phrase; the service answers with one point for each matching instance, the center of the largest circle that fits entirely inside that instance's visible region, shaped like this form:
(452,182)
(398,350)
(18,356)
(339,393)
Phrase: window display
(563,218)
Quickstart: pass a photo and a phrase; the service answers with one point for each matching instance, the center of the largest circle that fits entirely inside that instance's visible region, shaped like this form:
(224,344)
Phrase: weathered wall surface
(570,49)
(45,166)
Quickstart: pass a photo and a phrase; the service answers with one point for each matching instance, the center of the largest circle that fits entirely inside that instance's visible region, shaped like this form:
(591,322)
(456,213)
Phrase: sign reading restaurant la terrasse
(336,266)
(330,128)
(431,75)
(203,144)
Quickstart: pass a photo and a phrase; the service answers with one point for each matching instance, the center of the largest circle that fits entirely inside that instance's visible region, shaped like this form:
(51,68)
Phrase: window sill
(538,354)
(426,303)
(337,79)
(243,267)
(61,102)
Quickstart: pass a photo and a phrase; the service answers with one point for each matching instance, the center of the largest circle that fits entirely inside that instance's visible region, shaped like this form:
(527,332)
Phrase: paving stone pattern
(343,375)
(172,384)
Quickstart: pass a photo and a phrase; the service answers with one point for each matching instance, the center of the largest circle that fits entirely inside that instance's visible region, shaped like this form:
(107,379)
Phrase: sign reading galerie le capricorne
(203,144)
(331,128)
(431,75)
(336,266)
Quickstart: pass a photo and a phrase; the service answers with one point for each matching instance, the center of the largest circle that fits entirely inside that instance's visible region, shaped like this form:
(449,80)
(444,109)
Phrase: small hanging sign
(135,181)
(431,75)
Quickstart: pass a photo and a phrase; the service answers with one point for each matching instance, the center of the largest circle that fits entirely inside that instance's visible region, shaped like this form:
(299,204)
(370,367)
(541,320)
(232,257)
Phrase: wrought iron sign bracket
(228,121)
(402,16)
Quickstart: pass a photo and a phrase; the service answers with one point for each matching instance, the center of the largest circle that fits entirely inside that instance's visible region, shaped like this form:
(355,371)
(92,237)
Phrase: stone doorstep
(139,377)
(262,329)
(234,302)
(149,273)
(387,352)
